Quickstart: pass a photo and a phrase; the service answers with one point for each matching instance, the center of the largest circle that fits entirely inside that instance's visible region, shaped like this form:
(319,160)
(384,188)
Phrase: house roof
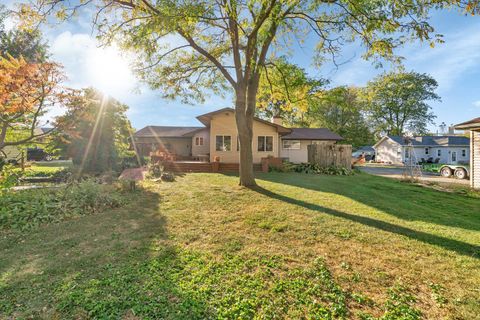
(431,141)
(166,131)
(311,134)
(205,119)
(471,124)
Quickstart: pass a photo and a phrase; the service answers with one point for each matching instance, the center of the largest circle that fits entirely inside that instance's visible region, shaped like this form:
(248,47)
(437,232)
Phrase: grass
(298,246)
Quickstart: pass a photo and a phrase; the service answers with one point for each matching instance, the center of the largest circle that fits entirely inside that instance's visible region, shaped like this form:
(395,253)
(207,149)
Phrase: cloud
(476,103)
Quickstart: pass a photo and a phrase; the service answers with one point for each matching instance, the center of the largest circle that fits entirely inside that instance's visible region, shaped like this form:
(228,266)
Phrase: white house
(437,149)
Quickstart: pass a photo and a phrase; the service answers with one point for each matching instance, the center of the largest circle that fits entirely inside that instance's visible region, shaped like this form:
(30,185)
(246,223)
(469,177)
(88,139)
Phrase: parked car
(38,154)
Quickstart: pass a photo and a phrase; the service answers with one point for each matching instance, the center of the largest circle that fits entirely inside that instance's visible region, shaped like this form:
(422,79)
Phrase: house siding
(201,150)
(389,151)
(475,159)
(446,154)
(224,124)
(299,155)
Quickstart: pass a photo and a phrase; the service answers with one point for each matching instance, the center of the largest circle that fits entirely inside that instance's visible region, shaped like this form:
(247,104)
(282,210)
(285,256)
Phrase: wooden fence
(325,155)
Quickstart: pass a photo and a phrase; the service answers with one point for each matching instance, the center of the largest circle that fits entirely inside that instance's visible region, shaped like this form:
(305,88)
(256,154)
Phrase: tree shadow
(406,202)
(52,271)
(446,243)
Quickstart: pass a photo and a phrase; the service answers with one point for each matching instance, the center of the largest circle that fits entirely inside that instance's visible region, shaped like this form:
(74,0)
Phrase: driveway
(397,173)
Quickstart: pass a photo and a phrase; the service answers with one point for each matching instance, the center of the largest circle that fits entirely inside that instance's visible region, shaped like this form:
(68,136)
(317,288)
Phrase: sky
(455,65)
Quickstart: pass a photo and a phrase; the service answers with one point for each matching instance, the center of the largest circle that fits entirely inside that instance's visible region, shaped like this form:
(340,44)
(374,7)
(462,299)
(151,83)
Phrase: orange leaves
(26,86)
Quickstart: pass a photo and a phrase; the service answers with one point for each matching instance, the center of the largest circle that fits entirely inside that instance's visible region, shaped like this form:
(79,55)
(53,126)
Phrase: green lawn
(298,246)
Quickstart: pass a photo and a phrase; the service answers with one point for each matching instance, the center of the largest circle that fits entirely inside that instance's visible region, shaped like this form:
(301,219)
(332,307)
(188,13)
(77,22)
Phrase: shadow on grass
(94,267)
(449,244)
(402,200)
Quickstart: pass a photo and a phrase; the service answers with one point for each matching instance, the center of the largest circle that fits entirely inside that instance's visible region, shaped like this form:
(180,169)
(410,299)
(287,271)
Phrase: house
(218,137)
(440,149)
(474,127)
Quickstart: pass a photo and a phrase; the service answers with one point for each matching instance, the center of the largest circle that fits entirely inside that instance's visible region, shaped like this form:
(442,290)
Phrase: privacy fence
(325,155)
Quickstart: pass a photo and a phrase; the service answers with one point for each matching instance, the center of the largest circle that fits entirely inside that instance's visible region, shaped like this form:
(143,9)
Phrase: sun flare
(110,71)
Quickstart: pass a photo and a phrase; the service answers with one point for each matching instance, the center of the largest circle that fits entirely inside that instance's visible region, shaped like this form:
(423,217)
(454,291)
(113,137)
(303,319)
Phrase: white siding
(475,159)
(389,151)
(445,154)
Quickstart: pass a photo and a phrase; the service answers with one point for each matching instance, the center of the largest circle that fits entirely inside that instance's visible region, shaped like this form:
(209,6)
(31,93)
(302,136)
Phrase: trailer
(458,171)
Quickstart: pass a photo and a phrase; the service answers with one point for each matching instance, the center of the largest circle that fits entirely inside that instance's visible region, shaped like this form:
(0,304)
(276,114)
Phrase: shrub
(155,170)
(9,177)
(313,168)
(29,208)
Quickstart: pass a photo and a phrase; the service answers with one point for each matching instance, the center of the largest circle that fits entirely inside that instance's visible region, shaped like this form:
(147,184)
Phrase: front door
(454,157)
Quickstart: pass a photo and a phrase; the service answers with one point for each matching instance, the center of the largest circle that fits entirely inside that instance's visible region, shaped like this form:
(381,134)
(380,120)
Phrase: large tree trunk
(244,121)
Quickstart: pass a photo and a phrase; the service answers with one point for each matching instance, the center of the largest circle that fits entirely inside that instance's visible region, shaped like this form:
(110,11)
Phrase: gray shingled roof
(165,131)
(434,140)
(311,134)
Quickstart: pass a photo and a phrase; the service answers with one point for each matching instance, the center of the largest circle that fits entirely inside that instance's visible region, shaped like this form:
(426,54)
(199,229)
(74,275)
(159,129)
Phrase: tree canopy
(398,102)
(26,91)
(94,131)
(186,46)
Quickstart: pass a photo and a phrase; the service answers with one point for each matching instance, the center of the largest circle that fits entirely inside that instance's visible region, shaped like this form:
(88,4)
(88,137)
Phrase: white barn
(438,149)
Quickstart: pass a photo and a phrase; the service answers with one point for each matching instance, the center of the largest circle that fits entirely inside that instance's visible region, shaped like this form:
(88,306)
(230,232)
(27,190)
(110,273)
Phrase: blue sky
(454,64)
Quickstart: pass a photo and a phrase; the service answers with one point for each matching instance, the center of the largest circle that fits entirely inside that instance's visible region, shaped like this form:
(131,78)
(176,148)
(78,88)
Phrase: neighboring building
(474,127)
(438,149)
(219,138)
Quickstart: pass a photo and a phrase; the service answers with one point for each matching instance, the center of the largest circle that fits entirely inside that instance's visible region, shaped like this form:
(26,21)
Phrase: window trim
(199,141)
(265,143)
(299,145)
(223,142)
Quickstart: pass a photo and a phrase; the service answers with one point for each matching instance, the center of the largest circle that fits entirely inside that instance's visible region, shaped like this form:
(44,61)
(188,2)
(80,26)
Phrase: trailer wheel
(460,173)
(446,172)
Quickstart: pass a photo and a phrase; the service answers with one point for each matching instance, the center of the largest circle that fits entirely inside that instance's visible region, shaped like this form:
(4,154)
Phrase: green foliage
(398,102)
(27,209)
(400,305)
(28,44)
(155,170)
(184,284)
(313,168)
(286,91)
(94,132)
(9,177)
(342,110)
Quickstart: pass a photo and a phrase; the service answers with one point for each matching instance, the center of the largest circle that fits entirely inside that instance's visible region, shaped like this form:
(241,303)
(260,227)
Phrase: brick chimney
(277,120)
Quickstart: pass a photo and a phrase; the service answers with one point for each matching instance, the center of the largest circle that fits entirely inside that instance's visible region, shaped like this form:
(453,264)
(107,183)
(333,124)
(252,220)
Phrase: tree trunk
(244,121)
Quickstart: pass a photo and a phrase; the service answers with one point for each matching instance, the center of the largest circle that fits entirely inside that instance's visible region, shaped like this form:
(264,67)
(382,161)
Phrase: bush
(9,177)
(155,170)
(29,208)
(313,168)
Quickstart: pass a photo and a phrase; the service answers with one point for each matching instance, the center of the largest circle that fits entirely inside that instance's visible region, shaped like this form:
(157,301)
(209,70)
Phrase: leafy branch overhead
(185,46)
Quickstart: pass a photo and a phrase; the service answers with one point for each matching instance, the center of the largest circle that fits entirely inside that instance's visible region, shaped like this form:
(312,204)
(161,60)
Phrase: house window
(199,141)
(427,150)
(223,143)
(291,144)
(407,154)
(464,153)
(265,143)
(439,153)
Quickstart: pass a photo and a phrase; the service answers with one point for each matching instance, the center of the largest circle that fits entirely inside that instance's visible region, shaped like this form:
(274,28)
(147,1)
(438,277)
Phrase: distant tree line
(395,103)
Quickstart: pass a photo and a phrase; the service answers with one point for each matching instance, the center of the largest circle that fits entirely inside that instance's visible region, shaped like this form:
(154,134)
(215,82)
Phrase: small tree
(94,131)
(227,44)
(398,102)
(26,91)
